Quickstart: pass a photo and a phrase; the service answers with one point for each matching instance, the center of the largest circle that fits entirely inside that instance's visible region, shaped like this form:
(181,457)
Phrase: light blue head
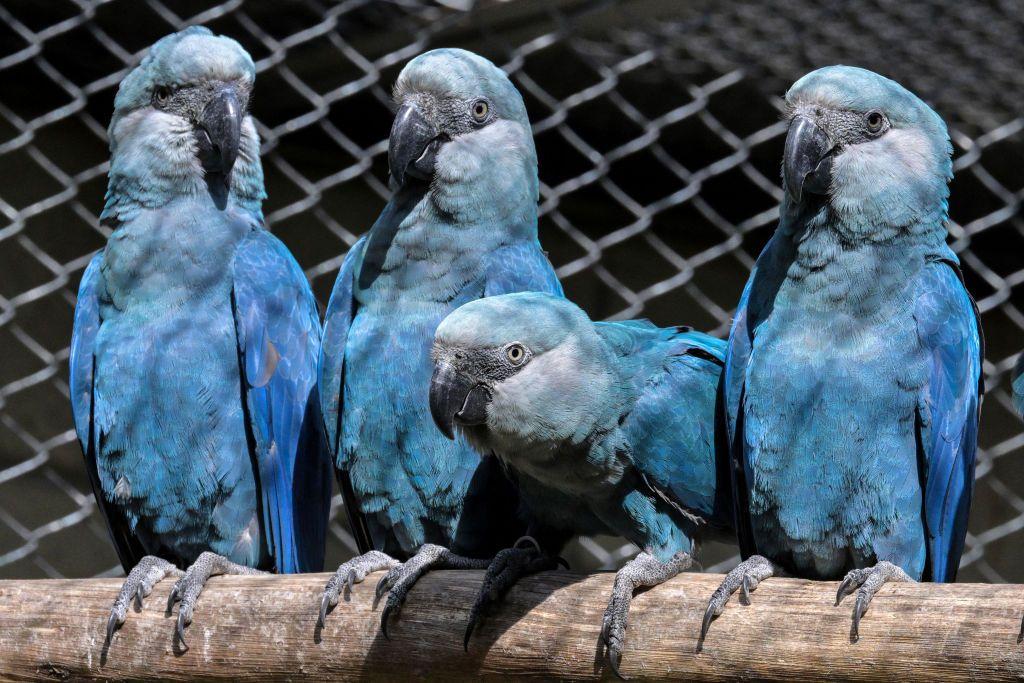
(462,127)
(868,150)
(181,126)
(522,368)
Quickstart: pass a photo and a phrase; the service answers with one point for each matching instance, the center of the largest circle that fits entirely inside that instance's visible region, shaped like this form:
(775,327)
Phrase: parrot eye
(516,354)
(875,121)
(479,110)
(161,96)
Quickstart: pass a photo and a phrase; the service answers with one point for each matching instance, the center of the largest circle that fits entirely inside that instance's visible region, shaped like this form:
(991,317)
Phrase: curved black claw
(859,608)
(348,575)
(1020,636)
(140,582)
(507,567)
(388,609)
(845,588)
(400,579)
(744,577)
(180,631)
(709,616)
(867,582)
(172,599)
(612,651)
(112,626)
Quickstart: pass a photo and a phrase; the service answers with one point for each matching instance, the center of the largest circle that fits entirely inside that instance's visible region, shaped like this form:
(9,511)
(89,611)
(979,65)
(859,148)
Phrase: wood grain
(263,628)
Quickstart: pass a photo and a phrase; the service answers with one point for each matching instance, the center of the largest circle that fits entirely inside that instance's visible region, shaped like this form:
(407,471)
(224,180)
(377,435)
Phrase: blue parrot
(461,225)
(607,428)
(853,377)
(193,358)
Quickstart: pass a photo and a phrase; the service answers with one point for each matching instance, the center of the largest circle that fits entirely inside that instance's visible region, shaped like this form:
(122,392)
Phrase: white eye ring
(516,354)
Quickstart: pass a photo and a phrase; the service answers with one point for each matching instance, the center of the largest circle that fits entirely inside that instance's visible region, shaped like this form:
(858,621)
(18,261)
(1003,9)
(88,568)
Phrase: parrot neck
(836,261)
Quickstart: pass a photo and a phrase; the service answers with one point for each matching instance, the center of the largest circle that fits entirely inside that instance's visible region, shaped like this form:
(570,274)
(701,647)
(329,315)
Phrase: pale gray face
(462,386)
(817,134)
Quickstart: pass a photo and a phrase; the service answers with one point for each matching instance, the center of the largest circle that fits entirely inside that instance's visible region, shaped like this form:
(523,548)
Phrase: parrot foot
(507,567)
(400,579)
(139,584)
(746,576)
(869,581)
(191,584)
(643,571)
(350,573)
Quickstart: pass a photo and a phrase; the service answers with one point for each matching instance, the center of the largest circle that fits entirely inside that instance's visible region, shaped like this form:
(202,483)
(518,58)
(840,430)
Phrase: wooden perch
(262,628)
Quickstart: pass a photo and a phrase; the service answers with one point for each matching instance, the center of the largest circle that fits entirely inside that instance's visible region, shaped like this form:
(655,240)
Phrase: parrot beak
(456,399)
(219,131)
(807,161)
(413,145)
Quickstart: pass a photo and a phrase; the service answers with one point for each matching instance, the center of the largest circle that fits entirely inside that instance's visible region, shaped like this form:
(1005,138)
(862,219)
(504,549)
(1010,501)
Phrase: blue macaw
(607,428)
(853,378)
(193,359)
(461,225)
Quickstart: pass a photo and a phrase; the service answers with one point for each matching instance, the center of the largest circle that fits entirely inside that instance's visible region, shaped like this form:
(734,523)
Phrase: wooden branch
(262,628)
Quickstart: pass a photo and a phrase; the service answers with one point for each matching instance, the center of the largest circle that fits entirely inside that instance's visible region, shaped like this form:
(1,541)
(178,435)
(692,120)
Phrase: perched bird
(853,378)
(461,225)
(607,428)
(193,359)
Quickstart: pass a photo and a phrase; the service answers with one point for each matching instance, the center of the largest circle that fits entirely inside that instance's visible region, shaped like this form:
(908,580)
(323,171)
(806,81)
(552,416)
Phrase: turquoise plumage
(195,341)
(461,225)
(853,379)
(607,428)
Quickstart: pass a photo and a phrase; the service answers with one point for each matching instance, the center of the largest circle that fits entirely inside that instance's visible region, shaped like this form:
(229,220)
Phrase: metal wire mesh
(659,138)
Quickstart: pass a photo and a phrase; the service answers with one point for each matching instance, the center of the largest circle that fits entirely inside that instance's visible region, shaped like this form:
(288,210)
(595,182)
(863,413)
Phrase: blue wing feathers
(337,320)
(279,336)
(673,448)
(83,344)
(81,383)
(948,328)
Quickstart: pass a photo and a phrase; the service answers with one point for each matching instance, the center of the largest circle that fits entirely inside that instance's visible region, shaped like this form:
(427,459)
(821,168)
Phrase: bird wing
(673,444)
(341,310)
(278,331)
(521,267)
(730,414)
(84,409)
(948,329)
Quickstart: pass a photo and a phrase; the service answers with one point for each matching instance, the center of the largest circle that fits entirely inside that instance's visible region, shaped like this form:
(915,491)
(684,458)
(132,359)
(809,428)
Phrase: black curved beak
(220,130)
(807,161)
(455,398)
(413,145)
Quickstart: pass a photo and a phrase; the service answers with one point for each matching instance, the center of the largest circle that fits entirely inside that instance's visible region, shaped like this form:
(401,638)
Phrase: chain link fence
(659,136)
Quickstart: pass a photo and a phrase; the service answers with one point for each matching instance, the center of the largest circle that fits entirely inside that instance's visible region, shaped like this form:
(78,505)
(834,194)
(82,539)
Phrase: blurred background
(659,136)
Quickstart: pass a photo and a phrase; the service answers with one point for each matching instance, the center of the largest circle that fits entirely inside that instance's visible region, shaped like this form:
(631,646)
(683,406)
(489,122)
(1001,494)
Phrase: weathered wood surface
(263,628)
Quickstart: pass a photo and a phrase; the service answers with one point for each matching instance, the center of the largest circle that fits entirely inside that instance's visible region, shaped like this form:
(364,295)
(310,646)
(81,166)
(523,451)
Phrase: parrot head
(462,128)
(520,369)
(181,120)
(865,147)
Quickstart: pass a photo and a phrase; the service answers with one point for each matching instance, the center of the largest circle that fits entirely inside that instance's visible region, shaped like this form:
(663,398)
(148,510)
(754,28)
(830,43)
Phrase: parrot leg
(642,571)
(507,567)
(139,584)
(867,582)
(400,579)
(189,586)
(746,576)
(349,573)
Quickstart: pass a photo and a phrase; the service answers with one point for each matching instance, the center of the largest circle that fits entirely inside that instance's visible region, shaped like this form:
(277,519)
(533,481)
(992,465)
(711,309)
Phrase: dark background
(659,137)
